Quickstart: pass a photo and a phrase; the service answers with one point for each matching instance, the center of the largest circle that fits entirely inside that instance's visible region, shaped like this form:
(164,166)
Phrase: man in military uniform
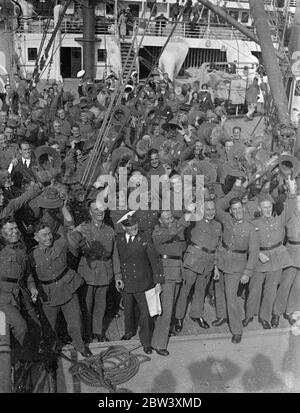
(78,203)
(287,298)
(169,240)
(57,283)
(236,257)
(15,273)
(273,257)
(141,269)
(199,261)
(99,263)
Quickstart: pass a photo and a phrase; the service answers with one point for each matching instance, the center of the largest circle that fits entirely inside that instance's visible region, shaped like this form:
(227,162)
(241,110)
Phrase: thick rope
(108,369)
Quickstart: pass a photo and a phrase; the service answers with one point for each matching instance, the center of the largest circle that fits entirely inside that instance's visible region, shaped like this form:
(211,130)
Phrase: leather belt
(203,248)
(293,242)
(170,257)
(271,248)
(59,277)
(9,280)
(229,249)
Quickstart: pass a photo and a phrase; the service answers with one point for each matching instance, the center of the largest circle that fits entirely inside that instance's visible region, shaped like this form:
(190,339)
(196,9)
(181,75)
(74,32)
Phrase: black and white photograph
(149,201)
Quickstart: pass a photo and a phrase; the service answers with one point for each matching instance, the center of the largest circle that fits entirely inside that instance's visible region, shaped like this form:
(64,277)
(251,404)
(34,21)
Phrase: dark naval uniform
(15,272)
(236,256)
(270,232)
(170,244)
(141,269)
(99,263)
(57,285)
(198,263)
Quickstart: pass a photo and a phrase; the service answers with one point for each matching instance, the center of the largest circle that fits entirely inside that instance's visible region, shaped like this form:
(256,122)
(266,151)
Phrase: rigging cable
(118,93)
(147,79)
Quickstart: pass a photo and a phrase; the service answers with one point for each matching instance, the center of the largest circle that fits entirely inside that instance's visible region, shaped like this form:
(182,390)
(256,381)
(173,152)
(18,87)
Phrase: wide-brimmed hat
(143,145)
(128,88)
(294,161)
(170,126)
(50,199)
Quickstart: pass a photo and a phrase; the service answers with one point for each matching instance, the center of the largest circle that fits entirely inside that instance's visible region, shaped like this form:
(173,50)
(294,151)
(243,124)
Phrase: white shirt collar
(129,236)
(26,161)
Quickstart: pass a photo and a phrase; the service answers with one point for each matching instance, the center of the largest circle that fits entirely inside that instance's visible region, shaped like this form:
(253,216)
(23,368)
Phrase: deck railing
(107,26)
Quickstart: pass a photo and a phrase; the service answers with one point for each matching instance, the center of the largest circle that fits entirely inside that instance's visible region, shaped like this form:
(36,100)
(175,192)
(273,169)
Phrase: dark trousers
(96,305)
(72,314)
(145,321)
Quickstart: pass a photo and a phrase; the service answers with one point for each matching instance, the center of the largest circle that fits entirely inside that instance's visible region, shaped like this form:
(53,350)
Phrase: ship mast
(294,50)
(275,80)
(270,58)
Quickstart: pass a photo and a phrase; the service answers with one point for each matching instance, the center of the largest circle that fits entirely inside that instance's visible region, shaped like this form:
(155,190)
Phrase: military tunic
(15,272)
(58,287)
(199,260)
(266,277)
(98,264)
(288,294)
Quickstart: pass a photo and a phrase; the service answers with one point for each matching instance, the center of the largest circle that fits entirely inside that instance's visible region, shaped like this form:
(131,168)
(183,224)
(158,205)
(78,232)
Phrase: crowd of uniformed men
(67,262)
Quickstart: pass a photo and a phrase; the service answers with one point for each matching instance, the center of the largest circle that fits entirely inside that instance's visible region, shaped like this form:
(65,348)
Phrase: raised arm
(15,204)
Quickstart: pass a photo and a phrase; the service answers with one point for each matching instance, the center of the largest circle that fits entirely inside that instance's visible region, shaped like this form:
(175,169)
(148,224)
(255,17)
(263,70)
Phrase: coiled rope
(108,369)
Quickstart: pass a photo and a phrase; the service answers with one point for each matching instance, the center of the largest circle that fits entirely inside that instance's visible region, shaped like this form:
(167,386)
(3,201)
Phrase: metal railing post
(5,357)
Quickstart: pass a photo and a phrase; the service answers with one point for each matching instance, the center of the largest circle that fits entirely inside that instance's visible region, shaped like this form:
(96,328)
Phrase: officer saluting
(141,269)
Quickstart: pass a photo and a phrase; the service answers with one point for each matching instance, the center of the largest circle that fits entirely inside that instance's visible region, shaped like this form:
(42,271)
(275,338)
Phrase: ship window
(32,53)
(297,88)
(110,8)
(101,55)
(234,14)
(244,17)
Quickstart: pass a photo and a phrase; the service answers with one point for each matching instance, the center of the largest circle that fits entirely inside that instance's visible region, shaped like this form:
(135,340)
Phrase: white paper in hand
(153,301)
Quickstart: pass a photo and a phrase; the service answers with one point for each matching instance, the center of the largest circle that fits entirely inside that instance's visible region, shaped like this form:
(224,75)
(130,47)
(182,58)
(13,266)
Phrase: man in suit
(141,269)
(9,100)
(23,169)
